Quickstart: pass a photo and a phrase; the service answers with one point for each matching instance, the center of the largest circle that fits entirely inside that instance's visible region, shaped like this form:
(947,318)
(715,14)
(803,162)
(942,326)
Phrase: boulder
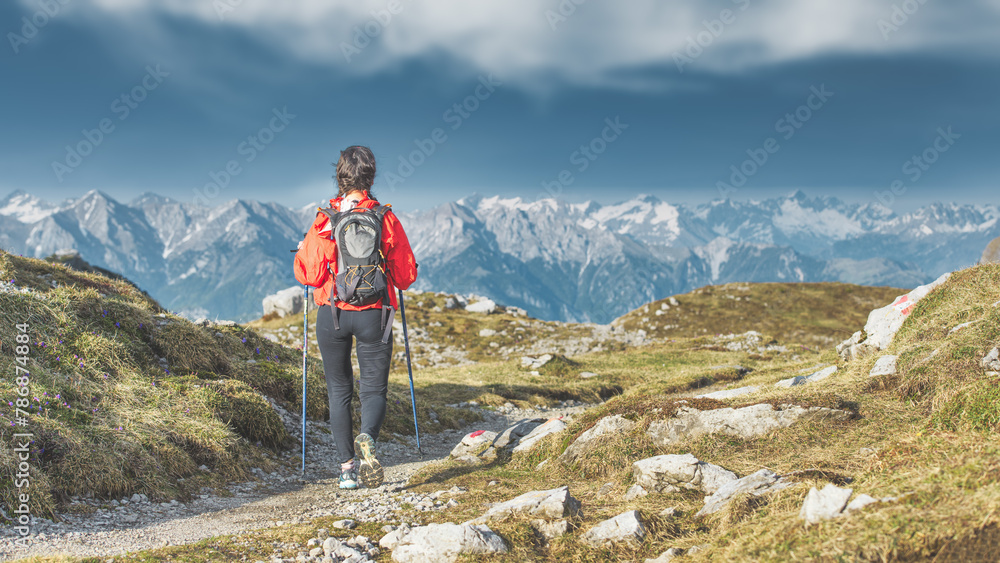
(991,254)
(886,365)
(551,504)
(759,483)
(485,306)
(285,302)
(474,443)
(607,426)
(551,426)
(746,422)
(883,323)
(510,437)
(527,362)
(625,528)
(446,542)
(824,504)
(729,393)
(665,473)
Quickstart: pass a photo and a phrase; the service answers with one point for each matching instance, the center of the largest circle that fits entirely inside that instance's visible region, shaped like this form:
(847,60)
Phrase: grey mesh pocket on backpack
(359,240)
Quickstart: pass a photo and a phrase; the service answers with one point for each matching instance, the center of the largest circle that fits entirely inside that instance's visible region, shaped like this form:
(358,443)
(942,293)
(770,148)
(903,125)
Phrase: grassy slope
(813,314)
(109,420)
(820,314)
(926,436)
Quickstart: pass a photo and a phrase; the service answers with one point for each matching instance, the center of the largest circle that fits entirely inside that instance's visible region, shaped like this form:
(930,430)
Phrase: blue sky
(682,99)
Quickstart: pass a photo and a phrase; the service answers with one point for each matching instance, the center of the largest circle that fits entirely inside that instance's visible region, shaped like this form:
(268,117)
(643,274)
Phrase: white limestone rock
(474,443)
(625,528)
(746,422)
(485,306)
(551,426)
(607,426)
(285,302)
(760,483)
(824,504)
(883,323)
(552,504)
(665,473)
(436,543)
(991,361)
(886,365)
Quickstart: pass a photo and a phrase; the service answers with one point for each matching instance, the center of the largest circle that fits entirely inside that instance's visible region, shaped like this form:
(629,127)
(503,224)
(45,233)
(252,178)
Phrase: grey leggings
(373,359)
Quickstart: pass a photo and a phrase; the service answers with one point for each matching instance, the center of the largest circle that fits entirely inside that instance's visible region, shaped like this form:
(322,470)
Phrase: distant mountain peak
(26,208)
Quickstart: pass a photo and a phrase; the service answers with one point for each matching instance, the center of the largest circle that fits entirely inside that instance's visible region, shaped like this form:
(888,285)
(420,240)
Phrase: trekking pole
(305,350)
(409,369)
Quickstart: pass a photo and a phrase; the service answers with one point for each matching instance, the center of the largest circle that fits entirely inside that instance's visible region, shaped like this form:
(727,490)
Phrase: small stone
(316,552)
(634,492)
(551,530)
(860,502)
(667,556)
(665,473)
(312,543)
(345,524)
(670,512)
(886,365)
(824,504)
(552,504)
(587,374)
(330,545)
(991,361)
(625,528)
(322,534)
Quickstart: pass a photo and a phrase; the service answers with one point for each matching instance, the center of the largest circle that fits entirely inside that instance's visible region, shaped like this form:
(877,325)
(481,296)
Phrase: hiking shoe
(349,479)
(370,471)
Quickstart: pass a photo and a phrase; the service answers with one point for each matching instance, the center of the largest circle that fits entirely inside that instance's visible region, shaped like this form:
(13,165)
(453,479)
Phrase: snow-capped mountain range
(561,261)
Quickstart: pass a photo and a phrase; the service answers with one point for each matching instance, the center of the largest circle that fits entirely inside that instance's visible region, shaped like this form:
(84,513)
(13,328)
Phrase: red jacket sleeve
(315,255)
(398,254)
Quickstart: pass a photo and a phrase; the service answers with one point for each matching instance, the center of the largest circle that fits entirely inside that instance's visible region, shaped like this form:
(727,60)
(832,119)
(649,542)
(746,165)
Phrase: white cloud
(515,39)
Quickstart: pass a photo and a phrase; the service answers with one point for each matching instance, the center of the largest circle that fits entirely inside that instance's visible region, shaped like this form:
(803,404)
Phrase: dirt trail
(282,497)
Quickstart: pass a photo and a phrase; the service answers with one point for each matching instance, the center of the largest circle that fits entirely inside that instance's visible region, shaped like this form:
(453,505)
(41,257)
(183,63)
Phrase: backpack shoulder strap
(381,210)
(330,213)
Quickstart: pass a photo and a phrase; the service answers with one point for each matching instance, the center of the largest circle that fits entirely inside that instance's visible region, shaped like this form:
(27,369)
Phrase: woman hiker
(358,302)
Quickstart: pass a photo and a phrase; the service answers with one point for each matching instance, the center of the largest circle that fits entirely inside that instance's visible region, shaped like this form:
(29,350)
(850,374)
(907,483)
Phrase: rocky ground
(98,528)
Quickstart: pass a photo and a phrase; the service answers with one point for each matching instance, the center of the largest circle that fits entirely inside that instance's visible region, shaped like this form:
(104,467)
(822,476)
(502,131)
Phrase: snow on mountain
(25,208)
(583,261)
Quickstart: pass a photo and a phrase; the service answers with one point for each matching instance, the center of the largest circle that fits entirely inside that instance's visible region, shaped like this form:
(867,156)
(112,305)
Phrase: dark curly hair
(355,170)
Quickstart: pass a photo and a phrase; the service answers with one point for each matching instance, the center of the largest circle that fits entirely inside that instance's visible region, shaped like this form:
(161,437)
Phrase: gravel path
(274,499)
